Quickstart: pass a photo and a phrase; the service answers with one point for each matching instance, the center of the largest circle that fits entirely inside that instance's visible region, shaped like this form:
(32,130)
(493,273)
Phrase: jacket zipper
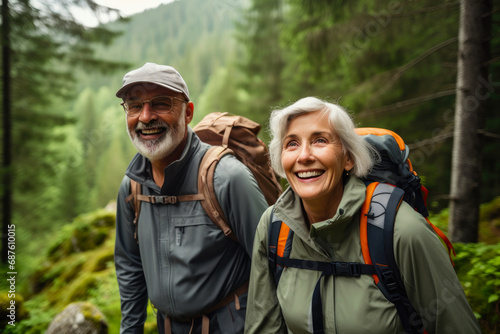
(179,231)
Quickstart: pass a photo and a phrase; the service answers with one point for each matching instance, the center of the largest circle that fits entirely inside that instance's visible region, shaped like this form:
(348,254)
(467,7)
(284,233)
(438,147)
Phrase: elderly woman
(314,145)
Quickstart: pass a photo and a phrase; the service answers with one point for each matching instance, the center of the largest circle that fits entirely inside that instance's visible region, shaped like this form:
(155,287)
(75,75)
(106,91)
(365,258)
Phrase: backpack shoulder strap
(280,238)
(279,250)
(133,199)
(378,215)
(206,193)
(206,188)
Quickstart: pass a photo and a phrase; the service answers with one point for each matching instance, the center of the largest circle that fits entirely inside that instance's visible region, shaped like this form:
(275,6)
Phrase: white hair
(341,124)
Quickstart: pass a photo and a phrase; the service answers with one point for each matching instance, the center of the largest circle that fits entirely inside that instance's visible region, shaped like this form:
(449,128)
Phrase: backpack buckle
(391,285)
(164,199)
(170,200)
(346,269)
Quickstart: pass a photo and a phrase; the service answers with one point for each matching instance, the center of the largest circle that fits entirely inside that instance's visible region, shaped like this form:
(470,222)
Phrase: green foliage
(440,219)
(107,298)
(71,195)
(489,229)
(78,289)
(194,36)
(72,147)
(489,221)
(111,164)
(40,316)
(478,267)
(47,171)
(393,64)
(77,266)
(262,59)
(87,232)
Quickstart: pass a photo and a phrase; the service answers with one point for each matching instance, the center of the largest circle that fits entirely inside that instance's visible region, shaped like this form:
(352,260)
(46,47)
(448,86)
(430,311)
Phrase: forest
(394,64)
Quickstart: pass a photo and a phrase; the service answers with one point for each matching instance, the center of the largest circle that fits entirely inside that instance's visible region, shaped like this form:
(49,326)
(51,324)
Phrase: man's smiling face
(154,135)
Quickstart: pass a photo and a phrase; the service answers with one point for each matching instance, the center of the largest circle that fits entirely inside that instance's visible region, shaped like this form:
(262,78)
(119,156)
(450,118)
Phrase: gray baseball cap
(151,73)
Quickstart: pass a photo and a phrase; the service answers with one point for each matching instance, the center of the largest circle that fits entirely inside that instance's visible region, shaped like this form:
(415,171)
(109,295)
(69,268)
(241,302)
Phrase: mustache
(152,125)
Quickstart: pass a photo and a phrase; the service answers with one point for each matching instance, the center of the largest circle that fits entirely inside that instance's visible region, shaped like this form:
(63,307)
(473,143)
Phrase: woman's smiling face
(314,160)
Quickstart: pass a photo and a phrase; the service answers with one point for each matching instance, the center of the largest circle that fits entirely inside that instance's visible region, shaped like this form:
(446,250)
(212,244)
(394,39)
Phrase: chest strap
(350,269)
(346,269)
(169,199)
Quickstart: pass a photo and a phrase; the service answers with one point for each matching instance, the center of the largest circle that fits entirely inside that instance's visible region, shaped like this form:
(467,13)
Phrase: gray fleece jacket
(183,262)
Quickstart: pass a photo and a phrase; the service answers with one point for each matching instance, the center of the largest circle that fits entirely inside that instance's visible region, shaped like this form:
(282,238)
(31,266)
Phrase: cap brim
(123,91)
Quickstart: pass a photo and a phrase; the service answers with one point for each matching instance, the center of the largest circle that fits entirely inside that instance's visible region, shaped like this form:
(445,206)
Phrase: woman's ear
(349,163)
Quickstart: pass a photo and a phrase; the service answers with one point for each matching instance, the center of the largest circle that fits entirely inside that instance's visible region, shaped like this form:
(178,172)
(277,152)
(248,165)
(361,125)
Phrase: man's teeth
(305,175)
(150,131)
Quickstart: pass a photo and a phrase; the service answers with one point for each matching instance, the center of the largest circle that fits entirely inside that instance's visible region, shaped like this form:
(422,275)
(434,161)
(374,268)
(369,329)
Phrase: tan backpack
(229,134)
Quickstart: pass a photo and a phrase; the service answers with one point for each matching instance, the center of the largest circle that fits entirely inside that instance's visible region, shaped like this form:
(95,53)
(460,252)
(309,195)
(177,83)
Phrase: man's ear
(189,112)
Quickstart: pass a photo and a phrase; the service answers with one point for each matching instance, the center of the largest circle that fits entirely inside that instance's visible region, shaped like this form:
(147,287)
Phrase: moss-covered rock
(38,280)
(103,259)
(77,267)
(81,318)
(49,273)
(78,289)
(85,233)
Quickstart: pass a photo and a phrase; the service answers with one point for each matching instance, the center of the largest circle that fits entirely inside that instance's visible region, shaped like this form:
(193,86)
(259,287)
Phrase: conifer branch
(396,73)
(427,10)
(403,104)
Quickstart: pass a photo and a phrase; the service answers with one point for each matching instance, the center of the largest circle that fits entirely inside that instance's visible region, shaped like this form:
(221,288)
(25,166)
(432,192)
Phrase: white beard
(164,146)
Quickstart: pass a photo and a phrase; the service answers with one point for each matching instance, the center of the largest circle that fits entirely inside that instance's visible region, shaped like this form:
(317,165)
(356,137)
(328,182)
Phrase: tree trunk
(6,163)
(472,90)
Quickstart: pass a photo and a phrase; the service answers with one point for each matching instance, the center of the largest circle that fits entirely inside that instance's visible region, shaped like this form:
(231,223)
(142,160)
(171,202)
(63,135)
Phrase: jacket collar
(289,209)
(140,169)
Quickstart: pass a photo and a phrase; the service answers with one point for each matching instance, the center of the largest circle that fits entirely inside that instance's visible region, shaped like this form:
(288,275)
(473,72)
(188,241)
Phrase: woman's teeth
(306,175)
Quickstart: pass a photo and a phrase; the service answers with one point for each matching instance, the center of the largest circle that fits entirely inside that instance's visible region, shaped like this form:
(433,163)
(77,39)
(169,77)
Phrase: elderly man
(194,275)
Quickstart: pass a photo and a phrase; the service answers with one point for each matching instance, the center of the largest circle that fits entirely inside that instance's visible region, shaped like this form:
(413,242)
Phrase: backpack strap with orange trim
(279,245)
(378,215)
(396,168)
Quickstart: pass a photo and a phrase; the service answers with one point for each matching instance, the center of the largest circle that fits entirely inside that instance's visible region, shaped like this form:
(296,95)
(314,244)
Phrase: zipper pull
(179,231)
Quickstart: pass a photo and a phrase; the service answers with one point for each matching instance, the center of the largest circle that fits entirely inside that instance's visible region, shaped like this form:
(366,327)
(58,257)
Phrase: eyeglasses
(159,104)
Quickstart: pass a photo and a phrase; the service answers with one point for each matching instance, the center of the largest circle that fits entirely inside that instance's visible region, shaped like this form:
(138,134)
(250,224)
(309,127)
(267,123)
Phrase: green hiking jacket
(353,305)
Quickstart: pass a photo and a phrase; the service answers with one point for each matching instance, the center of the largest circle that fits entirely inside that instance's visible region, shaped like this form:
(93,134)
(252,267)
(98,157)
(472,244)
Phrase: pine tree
(46,43)
(471,102)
